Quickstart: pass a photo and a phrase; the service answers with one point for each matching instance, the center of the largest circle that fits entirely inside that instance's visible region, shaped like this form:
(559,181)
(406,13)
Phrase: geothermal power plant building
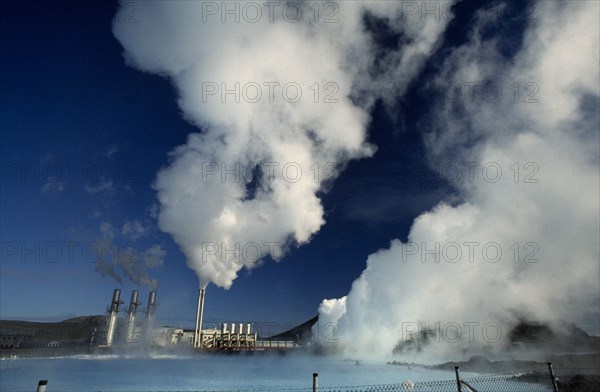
(230,336)
(132,329)
(240,338)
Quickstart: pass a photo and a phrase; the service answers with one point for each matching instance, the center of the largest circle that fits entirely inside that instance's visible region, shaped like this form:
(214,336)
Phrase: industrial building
(233,336)
(131,329)
(135,328)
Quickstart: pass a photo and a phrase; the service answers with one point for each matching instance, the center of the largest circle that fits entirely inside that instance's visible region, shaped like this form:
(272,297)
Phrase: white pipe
(199,314)
(112,317)
(203,291)
(150,309)
(151,305)
(195,344)
(42,385)
(110,334)
(130,328)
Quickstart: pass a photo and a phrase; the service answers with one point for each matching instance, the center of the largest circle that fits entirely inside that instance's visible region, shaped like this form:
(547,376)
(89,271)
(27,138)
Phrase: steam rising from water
(553,219)
(224,222)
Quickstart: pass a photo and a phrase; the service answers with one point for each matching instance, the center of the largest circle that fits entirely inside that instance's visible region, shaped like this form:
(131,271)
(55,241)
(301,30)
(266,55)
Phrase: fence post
(456,370)
(554,386)
(315,382)
(42,385)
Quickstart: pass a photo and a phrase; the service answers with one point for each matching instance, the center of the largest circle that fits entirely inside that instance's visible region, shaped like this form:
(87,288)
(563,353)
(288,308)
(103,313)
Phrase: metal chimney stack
(150,310)
(199,314)
(112,317)
(133,304)
(151,307)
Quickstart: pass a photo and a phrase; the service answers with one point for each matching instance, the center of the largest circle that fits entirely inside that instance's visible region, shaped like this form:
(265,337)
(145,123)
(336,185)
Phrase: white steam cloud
(246,185)
(541,213)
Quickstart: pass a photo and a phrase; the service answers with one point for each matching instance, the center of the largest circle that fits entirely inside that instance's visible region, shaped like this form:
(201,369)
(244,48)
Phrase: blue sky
(83,135)
(72,109)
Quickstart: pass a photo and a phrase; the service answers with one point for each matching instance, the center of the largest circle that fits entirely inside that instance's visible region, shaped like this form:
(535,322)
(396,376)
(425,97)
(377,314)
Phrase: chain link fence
(567,380)
(580,380)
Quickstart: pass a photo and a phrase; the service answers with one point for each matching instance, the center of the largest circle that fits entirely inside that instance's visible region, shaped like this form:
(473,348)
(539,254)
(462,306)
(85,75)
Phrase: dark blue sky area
(83,135)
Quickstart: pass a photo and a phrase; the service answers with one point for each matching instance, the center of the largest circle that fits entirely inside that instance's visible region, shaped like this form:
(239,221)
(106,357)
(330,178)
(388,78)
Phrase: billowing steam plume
(281,93)
(541,213)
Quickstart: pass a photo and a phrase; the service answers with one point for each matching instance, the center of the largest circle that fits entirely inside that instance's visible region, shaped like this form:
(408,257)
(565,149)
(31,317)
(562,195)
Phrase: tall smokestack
(133,304)
(199,314)
(112,316)
(150,310)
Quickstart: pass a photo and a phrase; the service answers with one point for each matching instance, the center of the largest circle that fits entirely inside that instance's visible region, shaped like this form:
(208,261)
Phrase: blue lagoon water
(201,373)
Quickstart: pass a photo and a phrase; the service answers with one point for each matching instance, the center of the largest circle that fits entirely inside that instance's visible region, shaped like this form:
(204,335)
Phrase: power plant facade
(230,336)
(241,338)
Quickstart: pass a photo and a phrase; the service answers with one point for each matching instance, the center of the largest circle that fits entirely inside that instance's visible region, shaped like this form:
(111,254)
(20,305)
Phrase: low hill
(73,332)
